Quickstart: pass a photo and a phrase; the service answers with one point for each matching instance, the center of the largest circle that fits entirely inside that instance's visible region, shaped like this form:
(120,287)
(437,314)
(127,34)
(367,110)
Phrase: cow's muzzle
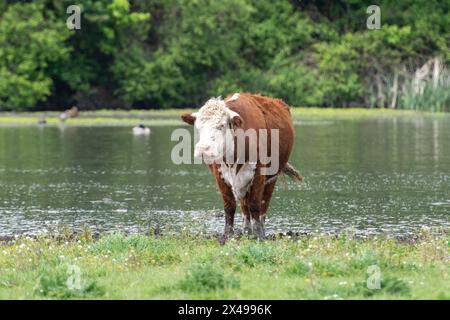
(203,150)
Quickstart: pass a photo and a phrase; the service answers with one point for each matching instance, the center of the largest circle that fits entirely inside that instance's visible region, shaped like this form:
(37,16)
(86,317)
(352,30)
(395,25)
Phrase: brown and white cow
(244,179)
(69,113)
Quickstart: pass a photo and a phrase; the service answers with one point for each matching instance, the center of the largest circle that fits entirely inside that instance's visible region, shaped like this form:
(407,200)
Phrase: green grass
(189,267)
(171,117)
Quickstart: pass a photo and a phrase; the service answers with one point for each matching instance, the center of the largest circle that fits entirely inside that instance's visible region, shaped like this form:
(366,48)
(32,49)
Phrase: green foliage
(254,253)
(110,40)
(388,285)
(433,97)
(298,268)
(168,53)
(207,277)
(187,267)
(31,41)
(54,285)
(124,248)
(328,268)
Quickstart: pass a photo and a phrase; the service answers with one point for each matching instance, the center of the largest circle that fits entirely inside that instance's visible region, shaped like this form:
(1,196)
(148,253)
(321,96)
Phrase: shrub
(256,253)
(390,285)
(298,269)
(328,268)
(207,277)
(54,284)
(147,249)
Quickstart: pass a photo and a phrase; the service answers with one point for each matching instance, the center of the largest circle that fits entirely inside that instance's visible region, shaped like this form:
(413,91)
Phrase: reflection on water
(374,176)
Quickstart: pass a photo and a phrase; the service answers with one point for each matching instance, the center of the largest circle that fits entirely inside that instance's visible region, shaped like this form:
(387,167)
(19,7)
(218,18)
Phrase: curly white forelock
(214,110)
(213,107)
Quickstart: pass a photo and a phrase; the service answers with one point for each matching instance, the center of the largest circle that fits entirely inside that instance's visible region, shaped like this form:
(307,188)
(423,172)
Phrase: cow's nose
(202,149)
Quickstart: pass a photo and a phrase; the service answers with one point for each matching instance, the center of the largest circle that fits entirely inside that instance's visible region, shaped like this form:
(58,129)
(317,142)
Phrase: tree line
(177,53)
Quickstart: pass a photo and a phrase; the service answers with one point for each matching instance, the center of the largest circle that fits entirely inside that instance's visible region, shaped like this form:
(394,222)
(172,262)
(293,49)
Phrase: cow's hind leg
(246,225)
(254,198)
(267,195)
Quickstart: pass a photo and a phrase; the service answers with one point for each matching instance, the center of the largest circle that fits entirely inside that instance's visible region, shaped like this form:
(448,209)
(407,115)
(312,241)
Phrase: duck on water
(141,130)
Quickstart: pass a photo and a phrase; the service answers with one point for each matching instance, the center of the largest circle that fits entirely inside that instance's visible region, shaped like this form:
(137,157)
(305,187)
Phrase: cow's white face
(213,122)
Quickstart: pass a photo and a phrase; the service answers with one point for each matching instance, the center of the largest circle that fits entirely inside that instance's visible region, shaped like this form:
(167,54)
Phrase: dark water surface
(372,175)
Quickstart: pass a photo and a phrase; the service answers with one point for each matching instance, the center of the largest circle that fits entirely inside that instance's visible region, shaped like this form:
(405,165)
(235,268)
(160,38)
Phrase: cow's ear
(189,118)
(237,122)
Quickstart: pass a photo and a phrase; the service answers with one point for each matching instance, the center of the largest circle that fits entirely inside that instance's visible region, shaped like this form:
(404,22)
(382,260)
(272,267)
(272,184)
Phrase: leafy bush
(253,254)
(207,277)
(171,53)
(389,284)
(31,42)
(139,249)
(53,283)
(363,260)
(328,268)
(298,269)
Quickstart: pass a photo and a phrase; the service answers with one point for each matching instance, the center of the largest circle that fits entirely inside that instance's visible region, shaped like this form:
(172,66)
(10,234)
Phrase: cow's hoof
(247,231)
(258,230)
(222,239)
(260,237)
(229,231)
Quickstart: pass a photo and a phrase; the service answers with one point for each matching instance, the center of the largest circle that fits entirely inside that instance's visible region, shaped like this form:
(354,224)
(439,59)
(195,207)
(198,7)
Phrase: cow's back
(259,112)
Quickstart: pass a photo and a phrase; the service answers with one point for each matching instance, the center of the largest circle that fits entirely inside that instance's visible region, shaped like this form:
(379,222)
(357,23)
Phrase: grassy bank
(169,267)
(172,116)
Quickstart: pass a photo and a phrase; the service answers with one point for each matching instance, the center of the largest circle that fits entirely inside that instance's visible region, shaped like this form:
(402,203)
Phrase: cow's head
(213,122)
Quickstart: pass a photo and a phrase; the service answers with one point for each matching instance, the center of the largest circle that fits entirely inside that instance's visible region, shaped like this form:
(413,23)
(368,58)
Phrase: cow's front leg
(254,205)
(258,227)
(229,201)
(247,226)
(230,209)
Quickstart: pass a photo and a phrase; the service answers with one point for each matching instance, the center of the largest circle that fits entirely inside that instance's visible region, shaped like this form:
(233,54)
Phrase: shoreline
(75,235)
(171,117)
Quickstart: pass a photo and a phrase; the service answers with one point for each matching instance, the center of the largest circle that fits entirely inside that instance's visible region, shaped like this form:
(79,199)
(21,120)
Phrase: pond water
(389,176)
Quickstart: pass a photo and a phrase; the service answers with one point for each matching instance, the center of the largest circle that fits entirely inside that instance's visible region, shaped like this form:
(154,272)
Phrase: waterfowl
(141,130)
(42,120)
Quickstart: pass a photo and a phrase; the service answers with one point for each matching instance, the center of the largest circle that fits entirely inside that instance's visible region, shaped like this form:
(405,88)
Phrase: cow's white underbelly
(239,181)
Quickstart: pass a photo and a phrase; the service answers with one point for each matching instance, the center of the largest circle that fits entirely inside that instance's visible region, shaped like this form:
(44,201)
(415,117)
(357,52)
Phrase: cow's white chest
(239,181)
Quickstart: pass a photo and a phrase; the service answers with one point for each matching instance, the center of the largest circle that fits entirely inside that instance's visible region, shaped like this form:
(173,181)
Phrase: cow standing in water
(239,175)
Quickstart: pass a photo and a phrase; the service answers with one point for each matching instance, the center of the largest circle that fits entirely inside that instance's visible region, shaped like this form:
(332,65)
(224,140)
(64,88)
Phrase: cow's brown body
(257,112)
